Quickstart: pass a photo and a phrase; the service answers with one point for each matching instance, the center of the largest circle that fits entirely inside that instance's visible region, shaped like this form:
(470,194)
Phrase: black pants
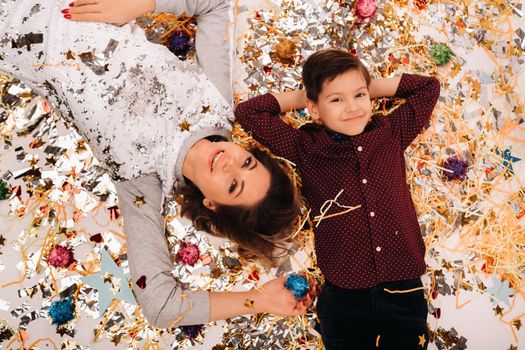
(372,318)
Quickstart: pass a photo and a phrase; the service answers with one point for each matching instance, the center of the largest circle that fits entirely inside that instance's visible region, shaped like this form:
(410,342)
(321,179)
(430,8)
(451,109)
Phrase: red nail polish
(65,11)
(68,16)
(71,4)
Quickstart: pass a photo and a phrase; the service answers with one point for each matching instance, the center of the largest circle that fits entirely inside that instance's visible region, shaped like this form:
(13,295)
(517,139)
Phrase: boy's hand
(117,12)
(276,299)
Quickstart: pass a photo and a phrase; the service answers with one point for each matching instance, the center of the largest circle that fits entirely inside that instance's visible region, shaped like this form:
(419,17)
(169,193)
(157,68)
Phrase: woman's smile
(214,158)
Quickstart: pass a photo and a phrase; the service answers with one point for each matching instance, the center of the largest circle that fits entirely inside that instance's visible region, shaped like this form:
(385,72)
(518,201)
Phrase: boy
(372,256)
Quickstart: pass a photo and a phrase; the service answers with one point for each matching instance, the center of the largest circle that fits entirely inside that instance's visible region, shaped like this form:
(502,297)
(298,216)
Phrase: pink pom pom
(188,253)
(366,9)
(60,256)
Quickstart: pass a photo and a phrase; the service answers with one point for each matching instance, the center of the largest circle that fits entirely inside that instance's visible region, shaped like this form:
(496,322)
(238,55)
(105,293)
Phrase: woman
(153,122)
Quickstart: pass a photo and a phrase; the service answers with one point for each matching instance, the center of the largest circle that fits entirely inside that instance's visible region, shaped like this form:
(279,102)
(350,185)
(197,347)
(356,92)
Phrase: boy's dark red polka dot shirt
(381,241)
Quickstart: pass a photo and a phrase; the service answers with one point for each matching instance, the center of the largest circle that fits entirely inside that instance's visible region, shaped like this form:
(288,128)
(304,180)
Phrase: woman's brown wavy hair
(261,231)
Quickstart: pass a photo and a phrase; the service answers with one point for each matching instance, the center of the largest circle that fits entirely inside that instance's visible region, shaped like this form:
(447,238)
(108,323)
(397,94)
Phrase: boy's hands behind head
(117,12)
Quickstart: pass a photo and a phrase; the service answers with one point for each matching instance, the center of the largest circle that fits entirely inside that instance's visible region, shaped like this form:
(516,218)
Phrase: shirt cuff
(273,104)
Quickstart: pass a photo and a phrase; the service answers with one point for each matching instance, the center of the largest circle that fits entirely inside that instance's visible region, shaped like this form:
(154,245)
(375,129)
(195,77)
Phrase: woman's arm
(117,12)
(164,302)
(214,39)
(272,298)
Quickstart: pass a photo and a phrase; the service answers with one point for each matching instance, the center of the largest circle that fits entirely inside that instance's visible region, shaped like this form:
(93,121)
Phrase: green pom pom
(441,54)
(4,190)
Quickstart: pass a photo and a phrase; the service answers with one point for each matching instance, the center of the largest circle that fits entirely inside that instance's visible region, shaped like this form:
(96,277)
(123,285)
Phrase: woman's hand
(117,12)
(276,299)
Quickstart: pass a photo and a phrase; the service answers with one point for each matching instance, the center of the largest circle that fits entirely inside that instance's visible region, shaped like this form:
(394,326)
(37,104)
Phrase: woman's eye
(233,186)
(247,162)
(335,100)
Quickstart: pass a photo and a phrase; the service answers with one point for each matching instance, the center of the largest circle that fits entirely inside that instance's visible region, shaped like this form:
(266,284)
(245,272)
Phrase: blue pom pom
(298,285)
(62,311)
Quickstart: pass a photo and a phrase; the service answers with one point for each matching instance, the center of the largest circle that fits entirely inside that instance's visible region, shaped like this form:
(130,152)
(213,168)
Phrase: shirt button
(364,181)
(378,249)
(372,214)
(359,148)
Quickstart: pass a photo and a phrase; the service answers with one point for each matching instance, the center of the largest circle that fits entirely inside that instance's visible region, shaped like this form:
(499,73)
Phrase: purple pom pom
(179,43)
(192,332)
(458,169)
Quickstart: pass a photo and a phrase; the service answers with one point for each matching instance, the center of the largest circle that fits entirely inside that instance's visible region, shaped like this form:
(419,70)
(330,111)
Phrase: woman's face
(226,174)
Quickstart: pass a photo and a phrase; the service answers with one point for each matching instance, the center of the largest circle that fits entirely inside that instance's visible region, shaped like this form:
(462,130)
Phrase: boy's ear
(209,204)
(312,109)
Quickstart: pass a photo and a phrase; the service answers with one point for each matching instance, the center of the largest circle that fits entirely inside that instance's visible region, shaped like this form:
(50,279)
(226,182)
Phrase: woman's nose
(227,163)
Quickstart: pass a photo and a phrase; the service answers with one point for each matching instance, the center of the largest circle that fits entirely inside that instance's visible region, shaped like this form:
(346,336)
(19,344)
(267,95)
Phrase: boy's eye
(232,186)
(335,100)
(247,162)
(361,94)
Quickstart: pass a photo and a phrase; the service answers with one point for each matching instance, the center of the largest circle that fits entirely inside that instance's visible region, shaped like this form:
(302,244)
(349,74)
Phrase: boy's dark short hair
(326,65)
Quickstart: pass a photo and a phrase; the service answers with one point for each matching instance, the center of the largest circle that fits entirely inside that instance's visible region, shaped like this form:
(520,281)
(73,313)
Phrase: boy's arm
(291,100)
(260,116)
(386,87)
(411,118)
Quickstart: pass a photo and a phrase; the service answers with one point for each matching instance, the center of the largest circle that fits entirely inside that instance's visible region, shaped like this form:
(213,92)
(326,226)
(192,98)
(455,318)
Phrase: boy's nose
(350,106)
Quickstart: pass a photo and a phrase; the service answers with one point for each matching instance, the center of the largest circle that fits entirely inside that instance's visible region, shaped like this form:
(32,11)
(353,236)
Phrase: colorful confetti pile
(63,254)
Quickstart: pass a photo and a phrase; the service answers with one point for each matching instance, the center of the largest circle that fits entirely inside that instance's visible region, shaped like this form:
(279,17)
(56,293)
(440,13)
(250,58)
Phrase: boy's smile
(344,104)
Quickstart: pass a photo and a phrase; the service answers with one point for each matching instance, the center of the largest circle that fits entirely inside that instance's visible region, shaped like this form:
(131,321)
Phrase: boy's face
(344,104)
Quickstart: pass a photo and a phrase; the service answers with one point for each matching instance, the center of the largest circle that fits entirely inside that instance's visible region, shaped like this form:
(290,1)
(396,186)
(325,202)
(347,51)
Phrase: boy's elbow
(241,110)
(435,85)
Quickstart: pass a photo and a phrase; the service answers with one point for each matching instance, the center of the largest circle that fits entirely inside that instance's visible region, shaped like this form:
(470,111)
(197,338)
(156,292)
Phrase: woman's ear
(209,204)
(312,109)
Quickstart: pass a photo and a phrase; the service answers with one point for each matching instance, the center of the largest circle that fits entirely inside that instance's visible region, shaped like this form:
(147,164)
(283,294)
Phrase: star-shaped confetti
(500,291)
(139,201)
(422,340)
(105,295)
(185,125)
(206,109)
(508,159)
(70,55)
(498,310)
(116,339)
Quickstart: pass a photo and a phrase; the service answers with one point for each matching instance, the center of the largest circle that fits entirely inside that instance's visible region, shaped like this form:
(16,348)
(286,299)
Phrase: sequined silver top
(139,107)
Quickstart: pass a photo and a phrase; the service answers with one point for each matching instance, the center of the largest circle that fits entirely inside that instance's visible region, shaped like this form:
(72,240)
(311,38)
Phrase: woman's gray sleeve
(215,37)
(162,299)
